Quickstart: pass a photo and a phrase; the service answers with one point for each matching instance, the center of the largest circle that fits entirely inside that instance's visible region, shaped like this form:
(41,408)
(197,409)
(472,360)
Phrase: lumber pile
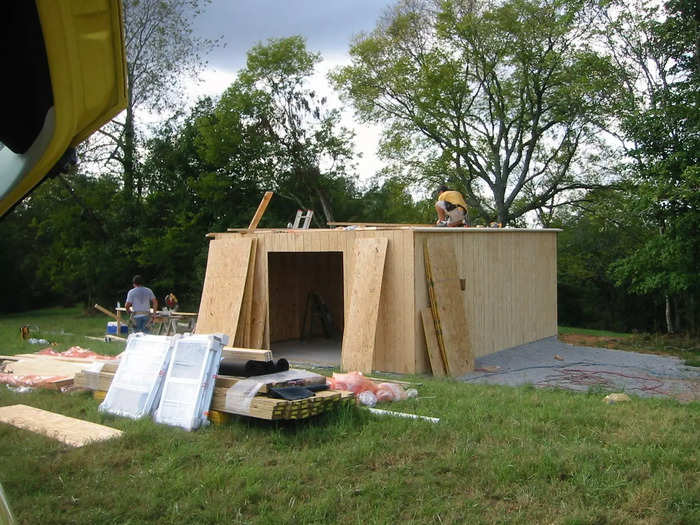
(262,405)
(265,407)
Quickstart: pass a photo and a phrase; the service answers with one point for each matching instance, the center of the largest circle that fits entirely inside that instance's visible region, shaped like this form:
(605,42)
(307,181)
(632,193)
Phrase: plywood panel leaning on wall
(224,285)
(449,305)
(363,310)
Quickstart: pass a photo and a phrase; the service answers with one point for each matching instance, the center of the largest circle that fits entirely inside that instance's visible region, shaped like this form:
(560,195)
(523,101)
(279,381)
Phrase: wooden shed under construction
(494,288)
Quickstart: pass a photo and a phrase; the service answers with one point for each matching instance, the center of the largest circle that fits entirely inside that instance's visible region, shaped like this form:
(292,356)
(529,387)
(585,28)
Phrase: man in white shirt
(139,300)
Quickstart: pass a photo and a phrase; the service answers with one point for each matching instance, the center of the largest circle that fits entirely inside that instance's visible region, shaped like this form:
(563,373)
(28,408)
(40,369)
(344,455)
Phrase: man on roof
(451,208)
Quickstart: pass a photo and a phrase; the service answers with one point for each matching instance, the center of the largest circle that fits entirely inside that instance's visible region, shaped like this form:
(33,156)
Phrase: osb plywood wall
(395,346)
(510,294)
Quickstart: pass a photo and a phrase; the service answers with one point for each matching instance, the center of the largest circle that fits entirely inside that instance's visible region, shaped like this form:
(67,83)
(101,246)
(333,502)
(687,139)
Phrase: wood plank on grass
(68,430)
(431,341)
(224,285)
(449,303)
(360,330)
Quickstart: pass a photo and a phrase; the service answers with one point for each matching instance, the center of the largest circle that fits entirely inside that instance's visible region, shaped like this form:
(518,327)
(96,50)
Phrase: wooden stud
(436,363)
(261,209)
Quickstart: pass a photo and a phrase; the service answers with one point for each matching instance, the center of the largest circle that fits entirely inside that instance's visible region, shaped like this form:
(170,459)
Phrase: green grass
(64,327)
(588,331)
(680,345)
(498,455)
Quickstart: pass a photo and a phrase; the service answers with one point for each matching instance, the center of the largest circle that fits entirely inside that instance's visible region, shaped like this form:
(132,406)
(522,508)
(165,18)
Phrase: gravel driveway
(552,363)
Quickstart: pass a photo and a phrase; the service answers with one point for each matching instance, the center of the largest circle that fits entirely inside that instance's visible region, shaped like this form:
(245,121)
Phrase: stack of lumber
(262,405)
(265,407)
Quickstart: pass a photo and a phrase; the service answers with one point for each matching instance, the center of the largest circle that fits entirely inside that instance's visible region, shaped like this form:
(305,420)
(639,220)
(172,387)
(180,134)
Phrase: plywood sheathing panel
(363,309)
(243,332)
(68,430)
(449,307)
(260,307)
(224,285)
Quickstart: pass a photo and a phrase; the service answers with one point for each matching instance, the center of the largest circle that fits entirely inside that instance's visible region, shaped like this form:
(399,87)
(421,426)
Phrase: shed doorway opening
(306,306)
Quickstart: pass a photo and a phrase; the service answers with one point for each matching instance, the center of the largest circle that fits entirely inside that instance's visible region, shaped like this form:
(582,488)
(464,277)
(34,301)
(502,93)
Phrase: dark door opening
(306,306)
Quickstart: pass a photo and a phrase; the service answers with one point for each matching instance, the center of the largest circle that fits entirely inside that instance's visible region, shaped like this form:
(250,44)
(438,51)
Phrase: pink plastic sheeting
(28,380)
(76,351)
(358,383)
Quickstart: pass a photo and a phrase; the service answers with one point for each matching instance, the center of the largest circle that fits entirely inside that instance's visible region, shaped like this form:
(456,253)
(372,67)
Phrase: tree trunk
(129,154)
(325,205)
(669,321)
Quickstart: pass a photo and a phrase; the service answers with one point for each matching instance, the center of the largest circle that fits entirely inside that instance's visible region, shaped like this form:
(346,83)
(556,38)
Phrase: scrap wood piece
(434,355)
(261,209)
(107,312)
(363,310)
(68,430)
(224,285)
(249,354)
(449,305)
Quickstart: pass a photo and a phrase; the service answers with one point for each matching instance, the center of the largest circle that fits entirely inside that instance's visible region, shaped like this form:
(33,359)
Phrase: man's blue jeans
(139,323)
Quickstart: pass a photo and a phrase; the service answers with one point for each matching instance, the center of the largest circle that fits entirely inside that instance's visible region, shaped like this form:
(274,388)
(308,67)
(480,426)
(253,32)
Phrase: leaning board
(71,431)
(361,323)
(224,285)
(450,305)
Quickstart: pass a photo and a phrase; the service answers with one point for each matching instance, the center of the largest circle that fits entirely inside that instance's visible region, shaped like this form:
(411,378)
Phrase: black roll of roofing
(242,368)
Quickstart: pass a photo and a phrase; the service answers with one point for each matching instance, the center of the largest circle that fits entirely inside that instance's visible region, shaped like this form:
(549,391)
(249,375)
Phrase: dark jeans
(139,323)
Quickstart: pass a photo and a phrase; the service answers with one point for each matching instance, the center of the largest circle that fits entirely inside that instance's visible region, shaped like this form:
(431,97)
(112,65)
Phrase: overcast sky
(327,25)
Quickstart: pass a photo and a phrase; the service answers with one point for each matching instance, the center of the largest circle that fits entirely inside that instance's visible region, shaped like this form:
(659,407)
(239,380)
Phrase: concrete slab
(552,363)
(320,352)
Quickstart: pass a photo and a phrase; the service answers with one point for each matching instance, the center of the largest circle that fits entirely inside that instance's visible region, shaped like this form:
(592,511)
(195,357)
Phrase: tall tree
(497,97)
(162,53)
(660,126)
(269,125)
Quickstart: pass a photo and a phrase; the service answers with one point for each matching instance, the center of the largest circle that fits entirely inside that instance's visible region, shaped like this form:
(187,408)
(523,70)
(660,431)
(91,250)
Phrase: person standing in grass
(139,300)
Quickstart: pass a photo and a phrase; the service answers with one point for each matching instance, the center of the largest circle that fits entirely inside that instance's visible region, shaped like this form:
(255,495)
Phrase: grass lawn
(679,345)
(498,455)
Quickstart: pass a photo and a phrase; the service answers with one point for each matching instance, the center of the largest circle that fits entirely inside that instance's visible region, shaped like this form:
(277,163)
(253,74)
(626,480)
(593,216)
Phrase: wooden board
(224,285)
(68,430)
(245,318)
(361,320)
(259,307)
(449,301)
(436,363)
(249,354)
(45,366)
